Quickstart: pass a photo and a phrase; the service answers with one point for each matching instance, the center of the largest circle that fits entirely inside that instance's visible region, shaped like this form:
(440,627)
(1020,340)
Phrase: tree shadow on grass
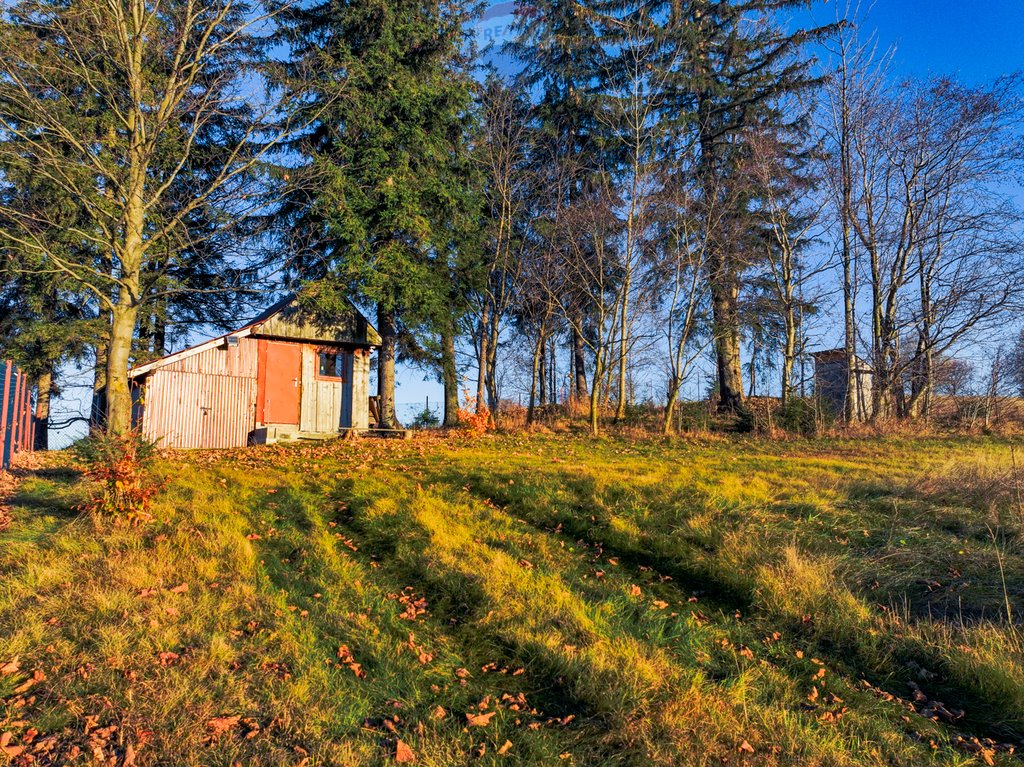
(579,517)
(52,492)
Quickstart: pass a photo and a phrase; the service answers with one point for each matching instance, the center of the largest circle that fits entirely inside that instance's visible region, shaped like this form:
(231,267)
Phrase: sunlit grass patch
(530,600)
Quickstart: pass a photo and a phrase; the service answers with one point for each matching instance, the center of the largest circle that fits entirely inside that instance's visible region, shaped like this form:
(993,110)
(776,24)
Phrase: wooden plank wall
(361,389)
(321,408)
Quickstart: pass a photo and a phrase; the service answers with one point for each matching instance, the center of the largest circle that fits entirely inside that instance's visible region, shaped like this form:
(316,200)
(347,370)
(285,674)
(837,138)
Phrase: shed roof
(839,355)
(285,320)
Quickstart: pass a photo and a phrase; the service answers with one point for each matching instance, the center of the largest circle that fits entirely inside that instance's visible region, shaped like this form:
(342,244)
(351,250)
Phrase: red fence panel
(17,426)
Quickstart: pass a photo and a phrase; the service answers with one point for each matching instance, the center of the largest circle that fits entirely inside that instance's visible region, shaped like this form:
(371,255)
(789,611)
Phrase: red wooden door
(282,374)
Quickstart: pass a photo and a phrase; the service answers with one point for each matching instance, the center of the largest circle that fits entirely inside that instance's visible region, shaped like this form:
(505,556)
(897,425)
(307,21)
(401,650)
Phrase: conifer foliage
(381,190)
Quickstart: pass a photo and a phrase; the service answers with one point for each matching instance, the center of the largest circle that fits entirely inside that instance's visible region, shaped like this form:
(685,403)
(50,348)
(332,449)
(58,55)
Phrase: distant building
(830,376)
(282,376)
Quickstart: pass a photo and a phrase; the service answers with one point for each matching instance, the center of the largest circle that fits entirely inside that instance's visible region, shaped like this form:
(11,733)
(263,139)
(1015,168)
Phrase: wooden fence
(17,427)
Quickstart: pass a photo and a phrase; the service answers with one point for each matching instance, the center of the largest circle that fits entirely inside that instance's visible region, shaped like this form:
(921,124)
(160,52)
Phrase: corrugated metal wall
(17,426)
(204,401)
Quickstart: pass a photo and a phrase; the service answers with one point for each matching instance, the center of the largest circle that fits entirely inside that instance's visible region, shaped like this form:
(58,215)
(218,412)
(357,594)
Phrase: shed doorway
(280,379)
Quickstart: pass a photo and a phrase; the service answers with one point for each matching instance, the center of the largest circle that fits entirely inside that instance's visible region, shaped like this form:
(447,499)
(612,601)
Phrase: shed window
(331,364)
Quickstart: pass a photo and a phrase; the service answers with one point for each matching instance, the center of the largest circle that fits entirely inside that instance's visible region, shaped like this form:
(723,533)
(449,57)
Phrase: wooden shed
(281,377)
(830,375)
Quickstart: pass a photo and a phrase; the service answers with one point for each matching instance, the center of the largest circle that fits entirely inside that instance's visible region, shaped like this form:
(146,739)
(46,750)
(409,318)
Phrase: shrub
(122,465)
(425,419)
(474,421)
(803,416)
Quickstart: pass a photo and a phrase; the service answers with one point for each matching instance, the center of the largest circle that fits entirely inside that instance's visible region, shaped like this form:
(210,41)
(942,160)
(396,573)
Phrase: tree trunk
(44,386)
(620,408)
(595,395)
(579,364)
(542,373)
(788,356)
(752,386)
(119,398)
(481,374)
(727,347)
(538,352)
(670,407)
(450,375)
(553,373)
(492,364)
(98,407)
(159,336)
(387,327)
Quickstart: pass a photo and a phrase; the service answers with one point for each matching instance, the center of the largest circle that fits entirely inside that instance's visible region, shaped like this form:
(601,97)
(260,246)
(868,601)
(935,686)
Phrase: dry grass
(562,600)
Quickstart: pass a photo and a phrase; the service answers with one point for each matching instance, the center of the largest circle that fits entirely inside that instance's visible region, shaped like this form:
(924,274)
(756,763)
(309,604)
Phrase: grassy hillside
(533,600)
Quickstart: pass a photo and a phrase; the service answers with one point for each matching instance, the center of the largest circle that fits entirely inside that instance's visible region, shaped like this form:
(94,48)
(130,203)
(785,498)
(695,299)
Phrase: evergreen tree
(386,90)
(737,69)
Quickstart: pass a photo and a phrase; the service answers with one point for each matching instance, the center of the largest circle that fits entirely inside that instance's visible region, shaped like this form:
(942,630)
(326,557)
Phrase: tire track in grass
(460,608)
(571,524)
(382,551)
(658,718)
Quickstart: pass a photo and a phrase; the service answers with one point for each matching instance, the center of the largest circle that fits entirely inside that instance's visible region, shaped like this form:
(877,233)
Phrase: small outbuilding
(830,376)
(283,376)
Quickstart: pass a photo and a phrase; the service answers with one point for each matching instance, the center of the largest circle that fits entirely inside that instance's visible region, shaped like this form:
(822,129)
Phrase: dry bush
(7,485)
(122,467)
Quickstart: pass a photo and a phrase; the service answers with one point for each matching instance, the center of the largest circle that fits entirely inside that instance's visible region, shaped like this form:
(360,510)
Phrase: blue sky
(976,41)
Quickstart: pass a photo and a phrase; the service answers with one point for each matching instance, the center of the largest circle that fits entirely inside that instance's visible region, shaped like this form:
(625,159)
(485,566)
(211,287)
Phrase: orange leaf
(404,754)
(745,746)
(222,724)
(480,720)
(37,676)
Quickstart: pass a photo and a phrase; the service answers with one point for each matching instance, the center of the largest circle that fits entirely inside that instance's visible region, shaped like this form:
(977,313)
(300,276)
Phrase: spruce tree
(386,90)
(734,70)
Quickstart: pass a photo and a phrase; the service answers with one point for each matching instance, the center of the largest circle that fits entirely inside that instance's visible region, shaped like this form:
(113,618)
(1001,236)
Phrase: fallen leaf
(480,720)
(745,746)
(37,676)
(10,667)
(403,754)
(505,748)
(222,724)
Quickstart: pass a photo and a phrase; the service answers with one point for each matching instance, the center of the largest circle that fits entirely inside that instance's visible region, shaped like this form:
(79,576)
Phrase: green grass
(585,602)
